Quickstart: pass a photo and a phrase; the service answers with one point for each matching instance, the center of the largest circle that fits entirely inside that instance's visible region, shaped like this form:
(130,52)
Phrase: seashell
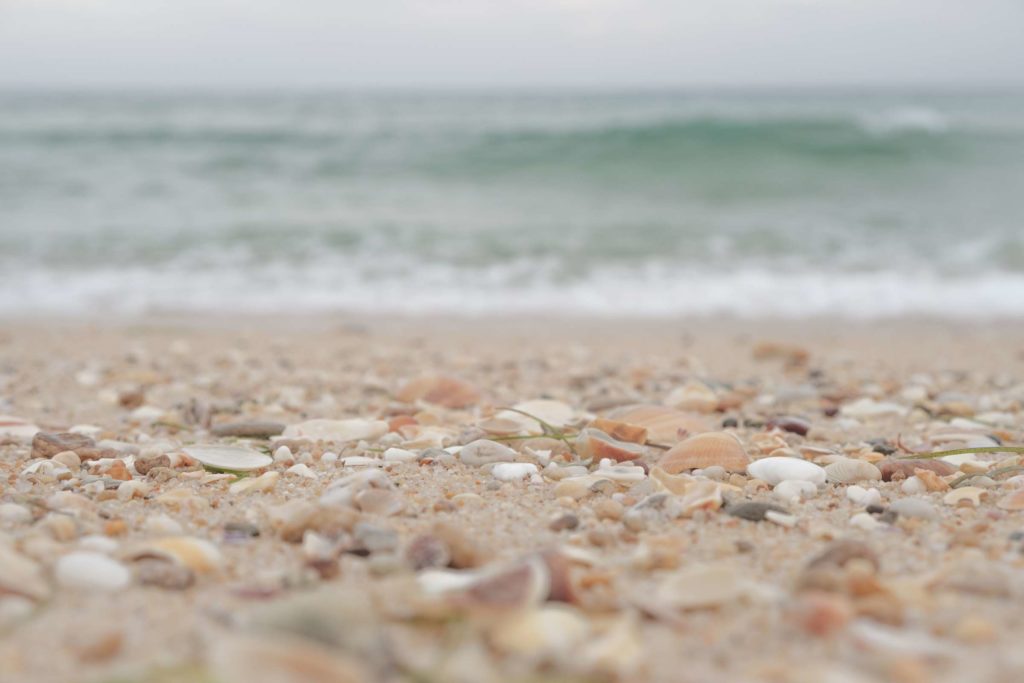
(849,470)
(183,498)
(555,413)
(344,490)
(499,589)
(442,390)
(664,425)
(261,484)
(866,408)
(232,458)
(400,455)
(781,518)
(673,483)
(607,469)
(16,428)
(282,659)
(300,470)
(47,468)
(595,444)
(695,396)
(545,632)
(931,481)
(720,449)
(965,496)
(427,551)
(484,452)
(500,426)
(337,431)
(91,571)
(793,490)
(198,555)
(701,587)
(513,471)
(773,470)
(379,502)
(20,575)
(621,431)
(426,436)
(893,469)
(132,489)
(703,495)
(865,521)
(862,496)
(1012,501)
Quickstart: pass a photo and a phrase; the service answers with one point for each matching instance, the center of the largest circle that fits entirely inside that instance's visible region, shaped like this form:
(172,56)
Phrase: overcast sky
(495,43)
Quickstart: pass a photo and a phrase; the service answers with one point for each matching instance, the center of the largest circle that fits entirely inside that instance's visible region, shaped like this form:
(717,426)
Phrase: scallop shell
(442,390)
(595,444)
(777,469)
(706,450)
(353,429)
(664,425)
(229,457)
(850,470)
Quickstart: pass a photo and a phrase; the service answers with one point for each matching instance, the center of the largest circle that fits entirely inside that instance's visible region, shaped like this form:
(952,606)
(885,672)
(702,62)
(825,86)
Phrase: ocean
(861,204)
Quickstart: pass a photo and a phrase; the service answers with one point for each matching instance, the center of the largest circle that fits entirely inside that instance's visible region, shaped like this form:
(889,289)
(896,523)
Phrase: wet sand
(439,567)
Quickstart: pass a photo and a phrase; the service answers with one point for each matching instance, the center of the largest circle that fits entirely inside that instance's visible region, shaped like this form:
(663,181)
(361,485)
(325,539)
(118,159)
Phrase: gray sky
(454,43)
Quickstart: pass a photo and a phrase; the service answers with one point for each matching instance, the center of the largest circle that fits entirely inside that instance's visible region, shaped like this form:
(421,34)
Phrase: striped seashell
(720,449)
(664,425)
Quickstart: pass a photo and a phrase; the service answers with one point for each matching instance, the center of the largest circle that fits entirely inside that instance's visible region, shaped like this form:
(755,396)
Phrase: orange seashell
(595,444)
(623,431)
(664,425)
(442,390)
(706,450)
(399,421)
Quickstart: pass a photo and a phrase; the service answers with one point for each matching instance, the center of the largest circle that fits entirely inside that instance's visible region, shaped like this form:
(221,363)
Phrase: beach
(349,498)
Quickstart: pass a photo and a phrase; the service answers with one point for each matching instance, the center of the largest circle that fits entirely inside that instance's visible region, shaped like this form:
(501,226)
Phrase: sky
(510,43)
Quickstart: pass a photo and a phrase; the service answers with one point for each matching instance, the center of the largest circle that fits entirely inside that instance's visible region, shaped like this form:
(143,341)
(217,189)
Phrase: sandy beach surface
(279,499)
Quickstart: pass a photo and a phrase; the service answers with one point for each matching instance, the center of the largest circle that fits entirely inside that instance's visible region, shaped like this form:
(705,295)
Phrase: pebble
(91,571)
(753,511)
(513,471)
(14,513)
(252,429)
(564,522)
(862,496)
(773,470)
(914,508)
(485,452)
(794,490)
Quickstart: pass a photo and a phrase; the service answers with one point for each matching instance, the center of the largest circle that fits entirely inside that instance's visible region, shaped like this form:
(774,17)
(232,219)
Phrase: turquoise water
(657,203)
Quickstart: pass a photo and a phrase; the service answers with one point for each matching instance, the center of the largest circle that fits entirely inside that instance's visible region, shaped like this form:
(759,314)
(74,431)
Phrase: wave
(516,288)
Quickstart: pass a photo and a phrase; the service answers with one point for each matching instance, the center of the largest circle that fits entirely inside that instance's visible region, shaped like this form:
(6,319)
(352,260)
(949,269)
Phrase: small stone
(563,522)
(753,511)
(513,471)
(145,465)
(862,496)
(91,571)
(69,459)
(931,481)
(379,502)
(14,513)
(893,469)
(842,552)
(49,444)
(163,574)
(606,508)
(251,429)
(484,452)
(427,551)
(914,507)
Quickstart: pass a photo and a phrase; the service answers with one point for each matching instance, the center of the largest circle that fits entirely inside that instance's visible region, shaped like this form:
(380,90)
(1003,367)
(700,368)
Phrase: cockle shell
(595,444)
(442,390)
(706,450)
(339,431)
(776,469)
(228,457)
(850,470)
(664,425)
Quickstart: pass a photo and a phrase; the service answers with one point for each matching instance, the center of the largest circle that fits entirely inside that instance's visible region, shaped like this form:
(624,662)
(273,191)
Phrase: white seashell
(337,430)
(966,495)
(132,489)
(197,554)
(361,461)
(16,428)
(781,518)
(913,485)
(869,408)
(400,455)
(301,471)
(695,396)
(484,452)
(555,413)
(849,470)
(701,587)
(98,543)
(261,484)
(547,631)
(162,525)
(794,490)
(609,469)
(862,496)
(47,468)
(91,571)
(228,457)
(863,520)
(513,471)
(773,470)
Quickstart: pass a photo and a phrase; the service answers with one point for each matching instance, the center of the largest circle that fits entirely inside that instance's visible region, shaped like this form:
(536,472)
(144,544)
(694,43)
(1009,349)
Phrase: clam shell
(442,390)
(593,443)
(229,457)
(353,429)
(703,495)
(777,469)
(664,425)
(199,555)
(850,470)
(706,450)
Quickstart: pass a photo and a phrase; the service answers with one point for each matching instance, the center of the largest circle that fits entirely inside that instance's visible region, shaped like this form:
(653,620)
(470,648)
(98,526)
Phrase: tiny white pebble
(283,454)
(513,471)
(399,455)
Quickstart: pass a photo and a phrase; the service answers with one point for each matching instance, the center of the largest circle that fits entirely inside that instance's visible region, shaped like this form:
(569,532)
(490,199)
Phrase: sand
(623,580)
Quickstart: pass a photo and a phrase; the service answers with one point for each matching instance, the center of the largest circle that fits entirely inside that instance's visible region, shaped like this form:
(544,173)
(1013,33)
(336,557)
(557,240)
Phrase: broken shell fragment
(622,431)
(442,390)
(337,431)
(664,425)
(965,496)
(228,457)
(720,449)
(595,444)
(198,555)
